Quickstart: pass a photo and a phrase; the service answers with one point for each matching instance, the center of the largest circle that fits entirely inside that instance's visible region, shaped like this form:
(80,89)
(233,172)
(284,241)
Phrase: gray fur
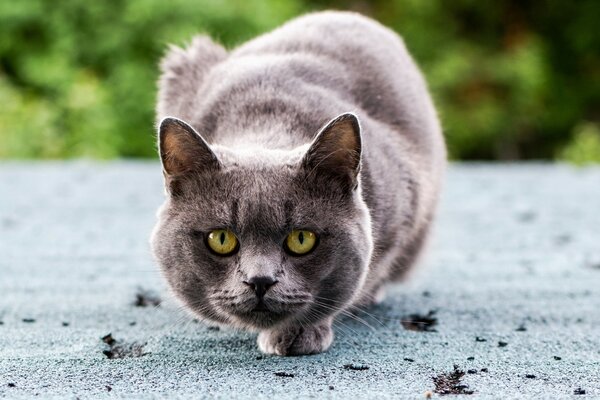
(369,191)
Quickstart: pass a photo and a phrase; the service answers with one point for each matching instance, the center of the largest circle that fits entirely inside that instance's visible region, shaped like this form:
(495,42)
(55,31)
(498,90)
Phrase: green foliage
(512,79)
(585,146)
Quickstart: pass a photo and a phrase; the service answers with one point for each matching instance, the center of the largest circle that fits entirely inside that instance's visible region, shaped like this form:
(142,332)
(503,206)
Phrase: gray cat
(275,219)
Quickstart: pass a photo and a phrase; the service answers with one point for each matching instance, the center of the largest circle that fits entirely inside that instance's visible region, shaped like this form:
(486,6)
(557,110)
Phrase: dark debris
(420,323)
(146,298)
(354,367)
(117,349)
(450,383)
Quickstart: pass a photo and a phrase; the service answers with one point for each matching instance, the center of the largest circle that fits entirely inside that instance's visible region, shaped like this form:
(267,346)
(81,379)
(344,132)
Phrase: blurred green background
(511,79)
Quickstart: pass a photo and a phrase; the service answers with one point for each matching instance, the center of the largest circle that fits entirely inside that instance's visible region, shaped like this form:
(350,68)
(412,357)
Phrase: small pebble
(284,374)
(356,367)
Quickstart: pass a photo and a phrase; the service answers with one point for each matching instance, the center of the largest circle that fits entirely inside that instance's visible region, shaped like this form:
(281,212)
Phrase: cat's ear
(183,150)
(336,151)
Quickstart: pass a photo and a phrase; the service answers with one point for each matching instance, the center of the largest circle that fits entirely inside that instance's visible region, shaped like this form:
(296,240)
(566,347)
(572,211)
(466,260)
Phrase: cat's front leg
(296,340)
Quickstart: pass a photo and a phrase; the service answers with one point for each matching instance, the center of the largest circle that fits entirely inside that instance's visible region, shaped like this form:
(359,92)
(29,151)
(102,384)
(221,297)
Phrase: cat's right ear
(182,150)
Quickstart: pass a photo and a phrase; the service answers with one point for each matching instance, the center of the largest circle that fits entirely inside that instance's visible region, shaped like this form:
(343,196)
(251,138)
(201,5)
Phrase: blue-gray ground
(515,258)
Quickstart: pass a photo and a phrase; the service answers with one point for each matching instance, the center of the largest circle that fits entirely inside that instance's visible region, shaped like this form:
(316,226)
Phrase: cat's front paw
(296,340)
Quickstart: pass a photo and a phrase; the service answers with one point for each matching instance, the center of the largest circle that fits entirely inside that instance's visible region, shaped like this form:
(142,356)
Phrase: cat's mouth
(261,307)
(261,313)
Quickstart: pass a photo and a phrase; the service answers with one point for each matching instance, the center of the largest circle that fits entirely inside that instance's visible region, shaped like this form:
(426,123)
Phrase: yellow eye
(300,242)
(222,241)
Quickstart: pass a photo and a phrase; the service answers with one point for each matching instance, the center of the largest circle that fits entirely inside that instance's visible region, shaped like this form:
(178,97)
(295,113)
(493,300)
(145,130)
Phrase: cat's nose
(260,284)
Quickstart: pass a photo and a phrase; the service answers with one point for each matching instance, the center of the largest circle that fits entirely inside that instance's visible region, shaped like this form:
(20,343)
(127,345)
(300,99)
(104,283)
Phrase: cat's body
(368,192)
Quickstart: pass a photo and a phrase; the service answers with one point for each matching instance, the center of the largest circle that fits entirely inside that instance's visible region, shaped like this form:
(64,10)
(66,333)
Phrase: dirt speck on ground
(594,265)
(28,320)
(146,298)
(450,383)
(530,376)
(579,391)
(409,359)
(420,323)
(521,328)
(284,374)
(502,344)
(526,216)
(12,385)
(118,349)
(356,367)
(557,358)
(480,339)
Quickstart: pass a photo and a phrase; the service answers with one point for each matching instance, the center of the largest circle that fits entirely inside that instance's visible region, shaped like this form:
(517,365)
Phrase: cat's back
(297,77)
(320,65)
(351,54)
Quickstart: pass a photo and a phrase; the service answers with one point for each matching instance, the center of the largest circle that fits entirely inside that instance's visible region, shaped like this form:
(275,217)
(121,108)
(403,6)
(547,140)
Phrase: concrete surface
(515,259)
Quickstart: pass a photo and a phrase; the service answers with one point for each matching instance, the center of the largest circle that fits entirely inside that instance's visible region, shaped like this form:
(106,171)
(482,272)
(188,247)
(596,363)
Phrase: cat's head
(255,237)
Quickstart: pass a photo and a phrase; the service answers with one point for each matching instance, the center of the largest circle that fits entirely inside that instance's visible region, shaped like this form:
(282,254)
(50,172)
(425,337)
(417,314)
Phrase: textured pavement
(512,279)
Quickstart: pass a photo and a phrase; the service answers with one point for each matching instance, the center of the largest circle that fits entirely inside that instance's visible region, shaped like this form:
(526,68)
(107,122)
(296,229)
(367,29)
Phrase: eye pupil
(300,242)
(222,238)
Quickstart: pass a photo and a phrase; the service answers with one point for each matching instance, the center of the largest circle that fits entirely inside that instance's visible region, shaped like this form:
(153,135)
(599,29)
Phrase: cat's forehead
(260,190)
(253,157)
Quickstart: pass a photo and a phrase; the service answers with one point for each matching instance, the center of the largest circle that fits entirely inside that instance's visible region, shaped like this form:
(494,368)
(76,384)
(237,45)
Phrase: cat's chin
(260,319)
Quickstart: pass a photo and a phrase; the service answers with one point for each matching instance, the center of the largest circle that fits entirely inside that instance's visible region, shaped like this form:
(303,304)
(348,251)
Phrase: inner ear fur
(336,151)
(182,149)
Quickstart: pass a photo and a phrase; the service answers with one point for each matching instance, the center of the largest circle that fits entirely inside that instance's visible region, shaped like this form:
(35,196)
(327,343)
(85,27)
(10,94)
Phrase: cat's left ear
(336,151)
(182,152)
